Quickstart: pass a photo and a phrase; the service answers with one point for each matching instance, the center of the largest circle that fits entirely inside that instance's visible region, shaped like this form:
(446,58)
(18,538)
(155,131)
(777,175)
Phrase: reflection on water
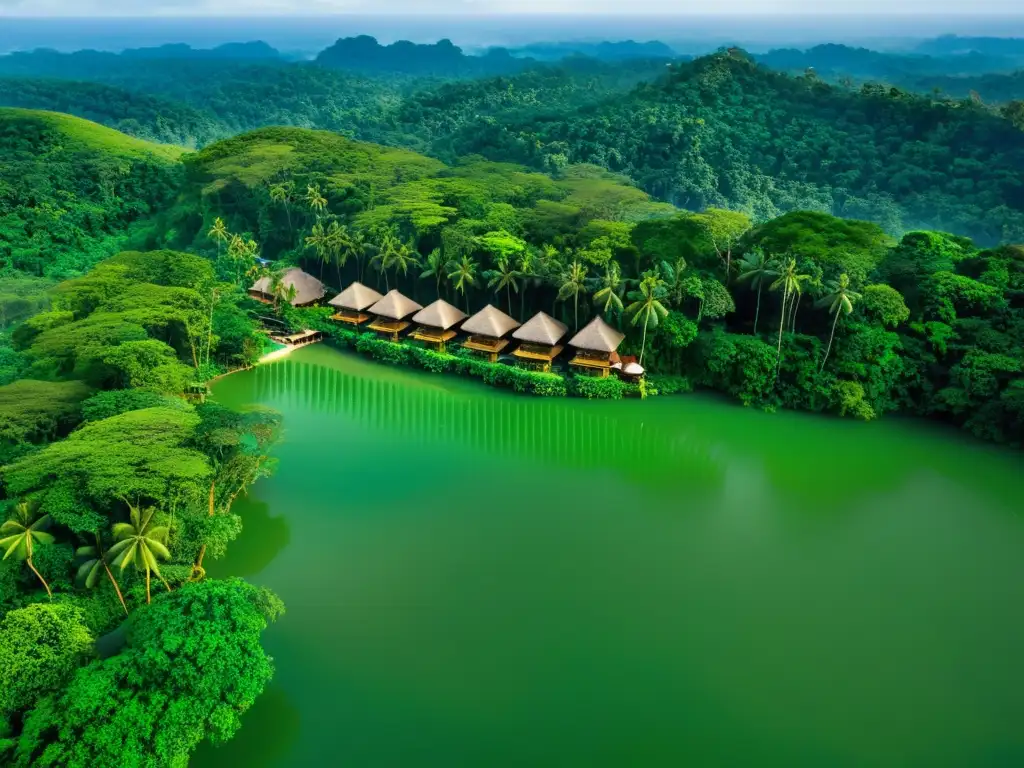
(500,426)
(476,578)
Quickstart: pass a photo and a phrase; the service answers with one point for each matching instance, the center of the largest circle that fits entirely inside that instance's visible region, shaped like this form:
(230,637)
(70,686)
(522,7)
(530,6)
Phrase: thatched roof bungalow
(596,343)
(352,303)
(540,336)
(302,288)
(486,329)
(390,313)
(436,323)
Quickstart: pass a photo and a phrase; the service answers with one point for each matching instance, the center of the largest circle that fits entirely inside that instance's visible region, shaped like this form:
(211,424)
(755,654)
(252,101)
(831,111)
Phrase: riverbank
(462,362)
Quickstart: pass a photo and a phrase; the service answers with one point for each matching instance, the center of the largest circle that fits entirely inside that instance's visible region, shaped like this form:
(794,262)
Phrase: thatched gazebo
(436,322)
(486,329)
(540,336)
(352,303)
(595,345)
(390,313)
(297,286)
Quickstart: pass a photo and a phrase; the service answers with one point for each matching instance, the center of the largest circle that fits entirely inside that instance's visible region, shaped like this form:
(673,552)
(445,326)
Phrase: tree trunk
(103,559)
(522,303)
(209,328)
(796,309)
(757,312)
(830,338)
(148,599)
(782,320)
(643,344)
(508,293)
(576,311)
(288,213)
(39,576)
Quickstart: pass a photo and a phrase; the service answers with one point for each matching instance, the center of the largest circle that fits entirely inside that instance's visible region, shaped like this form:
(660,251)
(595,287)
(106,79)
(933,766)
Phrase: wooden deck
(593,362)
(538,353)
(299,339)
(390,327)
(435,336)
(350,317)
(488,345)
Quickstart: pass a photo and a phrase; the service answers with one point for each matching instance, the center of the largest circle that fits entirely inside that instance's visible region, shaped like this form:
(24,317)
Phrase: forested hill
(71,190)
(443,59)
(722,131)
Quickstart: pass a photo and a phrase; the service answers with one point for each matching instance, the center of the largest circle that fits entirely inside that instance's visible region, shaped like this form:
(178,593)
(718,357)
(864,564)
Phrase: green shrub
(594,388)
(665,384)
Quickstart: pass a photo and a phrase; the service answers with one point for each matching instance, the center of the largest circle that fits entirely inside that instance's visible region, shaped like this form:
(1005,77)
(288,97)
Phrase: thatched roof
(490,321)
(440,314)
(633,369)
(307,288)
(394,306)
(541,329)
(597,336)
(356,297)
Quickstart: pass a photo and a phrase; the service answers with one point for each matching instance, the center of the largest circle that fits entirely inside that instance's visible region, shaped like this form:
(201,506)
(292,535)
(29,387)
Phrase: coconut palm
(358,247)
(317,240)
(315,199)
(282,193)
(647,305)
(609,288)
(141,543)
(436,267)
(338,246)
(506,277)
(527,268)
(758,269)
(384,257)
(464,275)
(22,532)
(219,233)
(675,279)
(839,300)
(790,281)
(89,572)
(573,282)
(403,257)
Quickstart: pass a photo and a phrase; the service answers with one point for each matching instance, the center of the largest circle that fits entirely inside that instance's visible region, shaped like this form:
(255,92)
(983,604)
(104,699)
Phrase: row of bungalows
(541,339)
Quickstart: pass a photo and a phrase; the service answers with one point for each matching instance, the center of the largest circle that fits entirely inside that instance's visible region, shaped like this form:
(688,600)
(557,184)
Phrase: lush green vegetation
(697,212)
(116,488)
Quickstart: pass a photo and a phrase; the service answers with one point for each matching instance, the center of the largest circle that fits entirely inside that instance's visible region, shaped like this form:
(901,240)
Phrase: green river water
(474,578)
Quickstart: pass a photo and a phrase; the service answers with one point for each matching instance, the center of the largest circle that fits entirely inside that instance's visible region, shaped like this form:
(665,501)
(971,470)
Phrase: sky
(81,8)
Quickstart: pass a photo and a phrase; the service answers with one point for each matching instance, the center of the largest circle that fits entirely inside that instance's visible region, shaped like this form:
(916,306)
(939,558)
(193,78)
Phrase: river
(474,578)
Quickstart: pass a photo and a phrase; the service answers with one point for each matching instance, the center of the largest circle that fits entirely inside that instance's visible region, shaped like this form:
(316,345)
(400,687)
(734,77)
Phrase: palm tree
(219,233)
(609,289)
(141,543)
(790,281)
(573,282)
(758,269)
(317,240)
(282,193)
(504,277)
(338,246)
(89,571)
(358,246)
(404,256)
(21,532)
(385,257)
(464,275)
(647,305)
(436,267)
(315,199)
(675,277)
(527,269)
(839,300)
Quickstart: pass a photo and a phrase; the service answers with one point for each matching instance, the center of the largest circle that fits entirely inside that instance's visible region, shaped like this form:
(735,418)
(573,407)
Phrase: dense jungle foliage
(772,238)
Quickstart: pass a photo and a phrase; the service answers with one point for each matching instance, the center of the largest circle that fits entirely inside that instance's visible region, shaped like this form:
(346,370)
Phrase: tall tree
(527,269)
(724,229)
(21,532)
(141,543)
(436,267)
(647,306)
(609,288)
(317,240)
(282,193)
(505,277)
(675,279)
(464,276)
(338,247)
(839,300)
(316,200)
(95,564)
(757,269)
(572,283)
(790,282)
(219,233)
